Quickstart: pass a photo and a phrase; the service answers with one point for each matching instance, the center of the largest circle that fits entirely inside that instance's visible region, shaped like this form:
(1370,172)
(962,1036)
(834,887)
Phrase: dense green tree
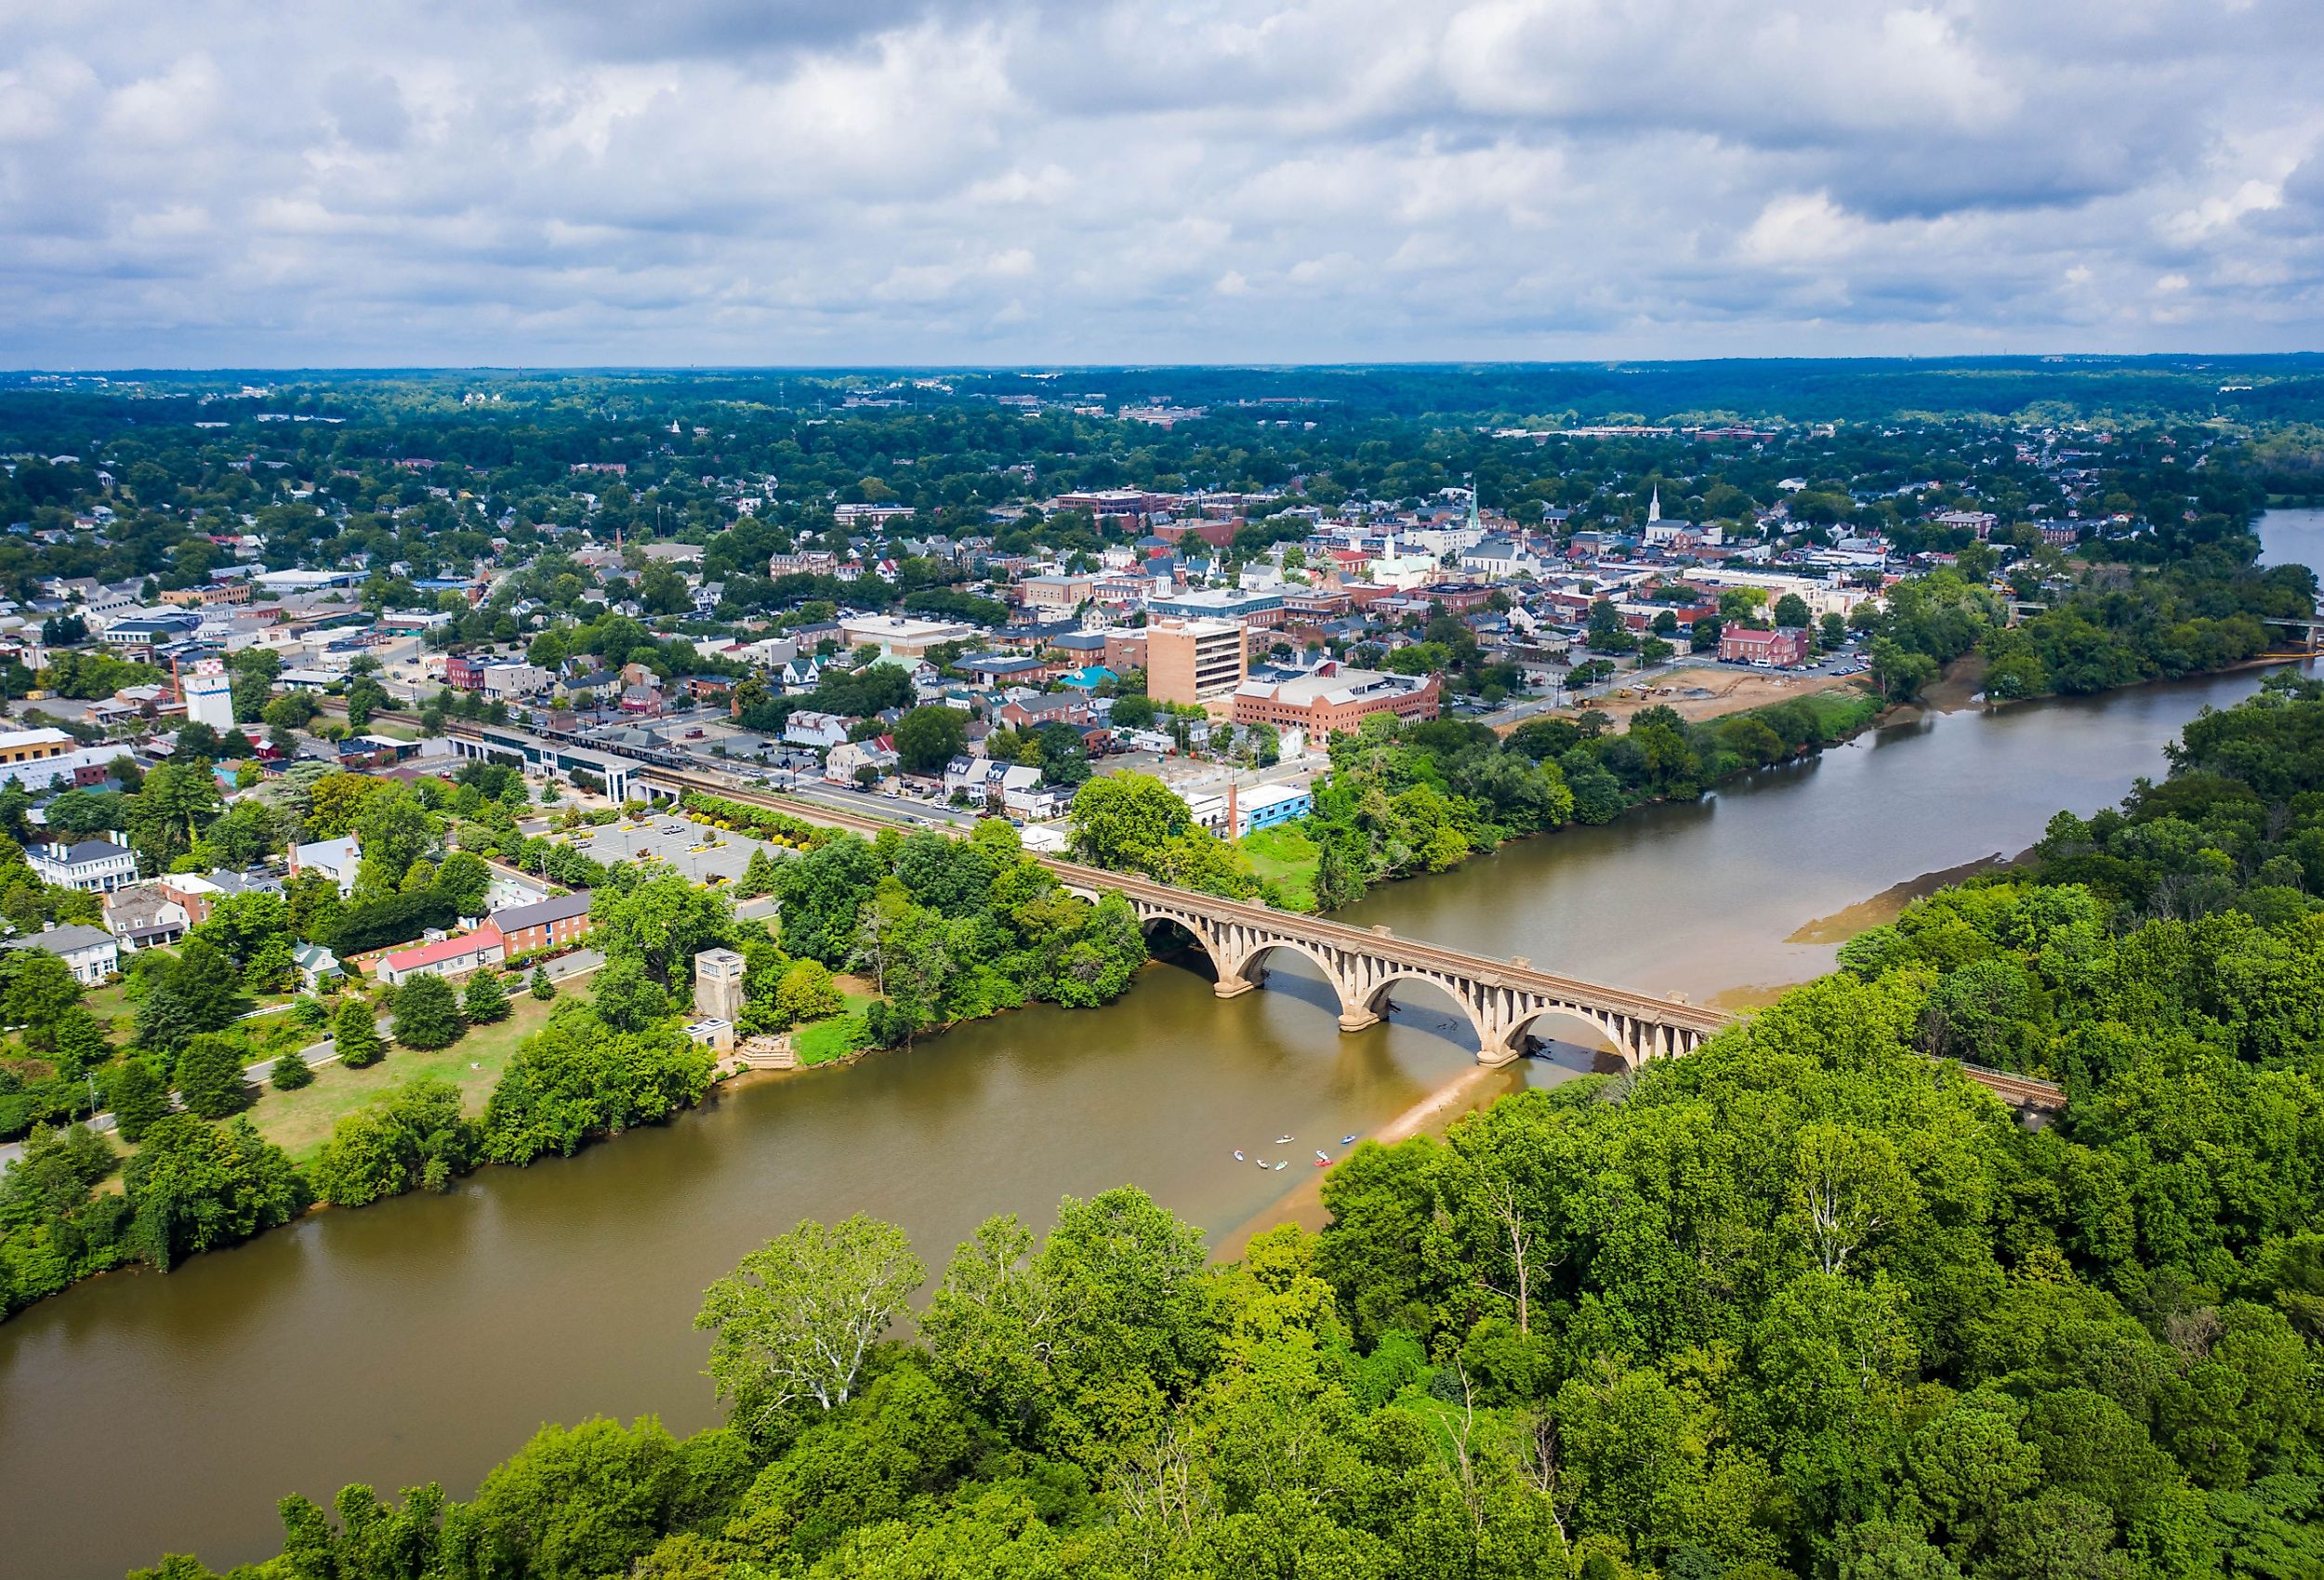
(926,738)
(356,1034)
(626,998)
(486,1000)
(796,1320)
(414,1134)
(210,1076)
(201,991)
(139,1096)
(427,1013)
(195,1186)
(579,1076)
(660,924)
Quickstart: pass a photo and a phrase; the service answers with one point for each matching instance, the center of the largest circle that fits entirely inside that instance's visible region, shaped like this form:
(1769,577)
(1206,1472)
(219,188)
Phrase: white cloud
(546,181)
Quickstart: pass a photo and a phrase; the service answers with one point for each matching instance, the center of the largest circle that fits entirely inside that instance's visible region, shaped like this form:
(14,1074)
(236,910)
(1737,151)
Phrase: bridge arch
(1375,1001)
(1195,935)
(1238,967)
(1532,1024)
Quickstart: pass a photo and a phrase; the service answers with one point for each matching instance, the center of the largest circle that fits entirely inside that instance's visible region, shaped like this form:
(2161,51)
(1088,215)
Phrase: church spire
(1654,506)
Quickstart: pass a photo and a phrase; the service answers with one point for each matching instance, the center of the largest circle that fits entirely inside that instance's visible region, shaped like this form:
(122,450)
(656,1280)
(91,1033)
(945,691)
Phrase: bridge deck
(2020,1091)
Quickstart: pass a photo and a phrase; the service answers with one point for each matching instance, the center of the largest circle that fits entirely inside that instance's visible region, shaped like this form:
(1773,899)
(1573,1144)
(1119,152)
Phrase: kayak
(1322,1162)
(1283,1141)
(1283,1165)
(1319,1153)
(1238,1154)
(1347,1140)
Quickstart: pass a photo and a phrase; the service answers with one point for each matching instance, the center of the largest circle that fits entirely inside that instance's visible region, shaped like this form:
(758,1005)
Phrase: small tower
(719,985)
(1654,505)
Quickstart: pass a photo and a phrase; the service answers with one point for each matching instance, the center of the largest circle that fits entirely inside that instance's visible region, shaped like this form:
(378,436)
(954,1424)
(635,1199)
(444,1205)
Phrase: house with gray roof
(554,923)
(90,951)
(93,866)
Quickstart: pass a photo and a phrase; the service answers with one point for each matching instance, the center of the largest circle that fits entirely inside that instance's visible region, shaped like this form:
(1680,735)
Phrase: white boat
(1238,1154)
(1321,1154)
(1283,1141)
(1283,1165)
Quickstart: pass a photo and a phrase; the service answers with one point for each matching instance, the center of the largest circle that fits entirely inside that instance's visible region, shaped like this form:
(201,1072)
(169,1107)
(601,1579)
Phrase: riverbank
(1479,1087)
(567,1290)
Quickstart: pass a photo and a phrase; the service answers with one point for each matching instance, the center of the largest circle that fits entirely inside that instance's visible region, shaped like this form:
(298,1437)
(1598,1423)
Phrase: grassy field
(823,1041)
(1286,857)
(300,1122)
(110,1003)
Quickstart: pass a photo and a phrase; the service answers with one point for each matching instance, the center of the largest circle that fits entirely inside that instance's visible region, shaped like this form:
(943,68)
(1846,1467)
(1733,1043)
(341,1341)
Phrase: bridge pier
(1355,1019)
(1232,987)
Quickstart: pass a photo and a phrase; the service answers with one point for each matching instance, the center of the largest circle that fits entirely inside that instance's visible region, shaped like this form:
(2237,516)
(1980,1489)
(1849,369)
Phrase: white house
(90,951)
(508,683)
(336,859)
(142,916)
(93,866)
(808,728)
(976,778)
(1023,792)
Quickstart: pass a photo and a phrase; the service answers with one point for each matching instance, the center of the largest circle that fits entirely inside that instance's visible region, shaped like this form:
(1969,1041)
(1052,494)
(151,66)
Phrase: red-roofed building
(445,957)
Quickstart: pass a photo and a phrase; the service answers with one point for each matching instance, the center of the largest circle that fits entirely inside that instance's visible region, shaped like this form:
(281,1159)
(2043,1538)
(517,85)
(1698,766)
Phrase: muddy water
(424,1339)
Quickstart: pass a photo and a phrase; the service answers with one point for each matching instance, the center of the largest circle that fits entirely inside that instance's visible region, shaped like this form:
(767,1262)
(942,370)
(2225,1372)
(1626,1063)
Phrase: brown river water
(425,1339)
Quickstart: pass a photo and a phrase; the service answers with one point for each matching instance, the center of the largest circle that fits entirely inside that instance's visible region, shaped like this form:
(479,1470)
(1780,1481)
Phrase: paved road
(580,963)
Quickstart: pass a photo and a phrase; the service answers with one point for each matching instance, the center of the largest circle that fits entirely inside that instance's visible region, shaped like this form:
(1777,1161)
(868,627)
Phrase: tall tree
(427,1013)
(796,1319)
(356,1034)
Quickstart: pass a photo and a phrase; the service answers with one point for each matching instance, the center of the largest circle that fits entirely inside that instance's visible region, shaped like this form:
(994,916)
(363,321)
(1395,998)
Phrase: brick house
(1781,649)
(545,924)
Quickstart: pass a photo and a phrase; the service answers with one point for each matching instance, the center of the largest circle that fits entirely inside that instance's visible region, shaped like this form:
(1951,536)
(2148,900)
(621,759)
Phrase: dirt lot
(1729,690)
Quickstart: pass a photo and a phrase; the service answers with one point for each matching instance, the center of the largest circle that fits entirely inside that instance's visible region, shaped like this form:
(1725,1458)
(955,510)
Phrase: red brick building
(1332,700)
(1784,649)
(546,924)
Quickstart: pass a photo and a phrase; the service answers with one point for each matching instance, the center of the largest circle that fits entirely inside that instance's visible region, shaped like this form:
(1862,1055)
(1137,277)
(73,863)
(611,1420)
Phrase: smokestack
(1234,824)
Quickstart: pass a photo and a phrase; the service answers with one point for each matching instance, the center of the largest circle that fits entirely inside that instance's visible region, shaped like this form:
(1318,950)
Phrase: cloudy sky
(210,182)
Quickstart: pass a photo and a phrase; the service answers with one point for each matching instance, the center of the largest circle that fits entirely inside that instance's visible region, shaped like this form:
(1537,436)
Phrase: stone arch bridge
(1502,998)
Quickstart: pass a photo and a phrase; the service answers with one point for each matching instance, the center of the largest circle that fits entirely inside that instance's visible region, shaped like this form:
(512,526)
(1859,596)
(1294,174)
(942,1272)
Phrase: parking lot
(673,841)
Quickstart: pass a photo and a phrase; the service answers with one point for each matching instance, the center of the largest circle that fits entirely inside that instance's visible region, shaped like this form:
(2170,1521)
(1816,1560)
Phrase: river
(424,1339)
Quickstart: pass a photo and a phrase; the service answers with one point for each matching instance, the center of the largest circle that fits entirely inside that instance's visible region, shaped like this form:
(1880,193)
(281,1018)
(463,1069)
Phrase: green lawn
(300,1122)
(111,1005)
(820,1042)
(1286,858)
